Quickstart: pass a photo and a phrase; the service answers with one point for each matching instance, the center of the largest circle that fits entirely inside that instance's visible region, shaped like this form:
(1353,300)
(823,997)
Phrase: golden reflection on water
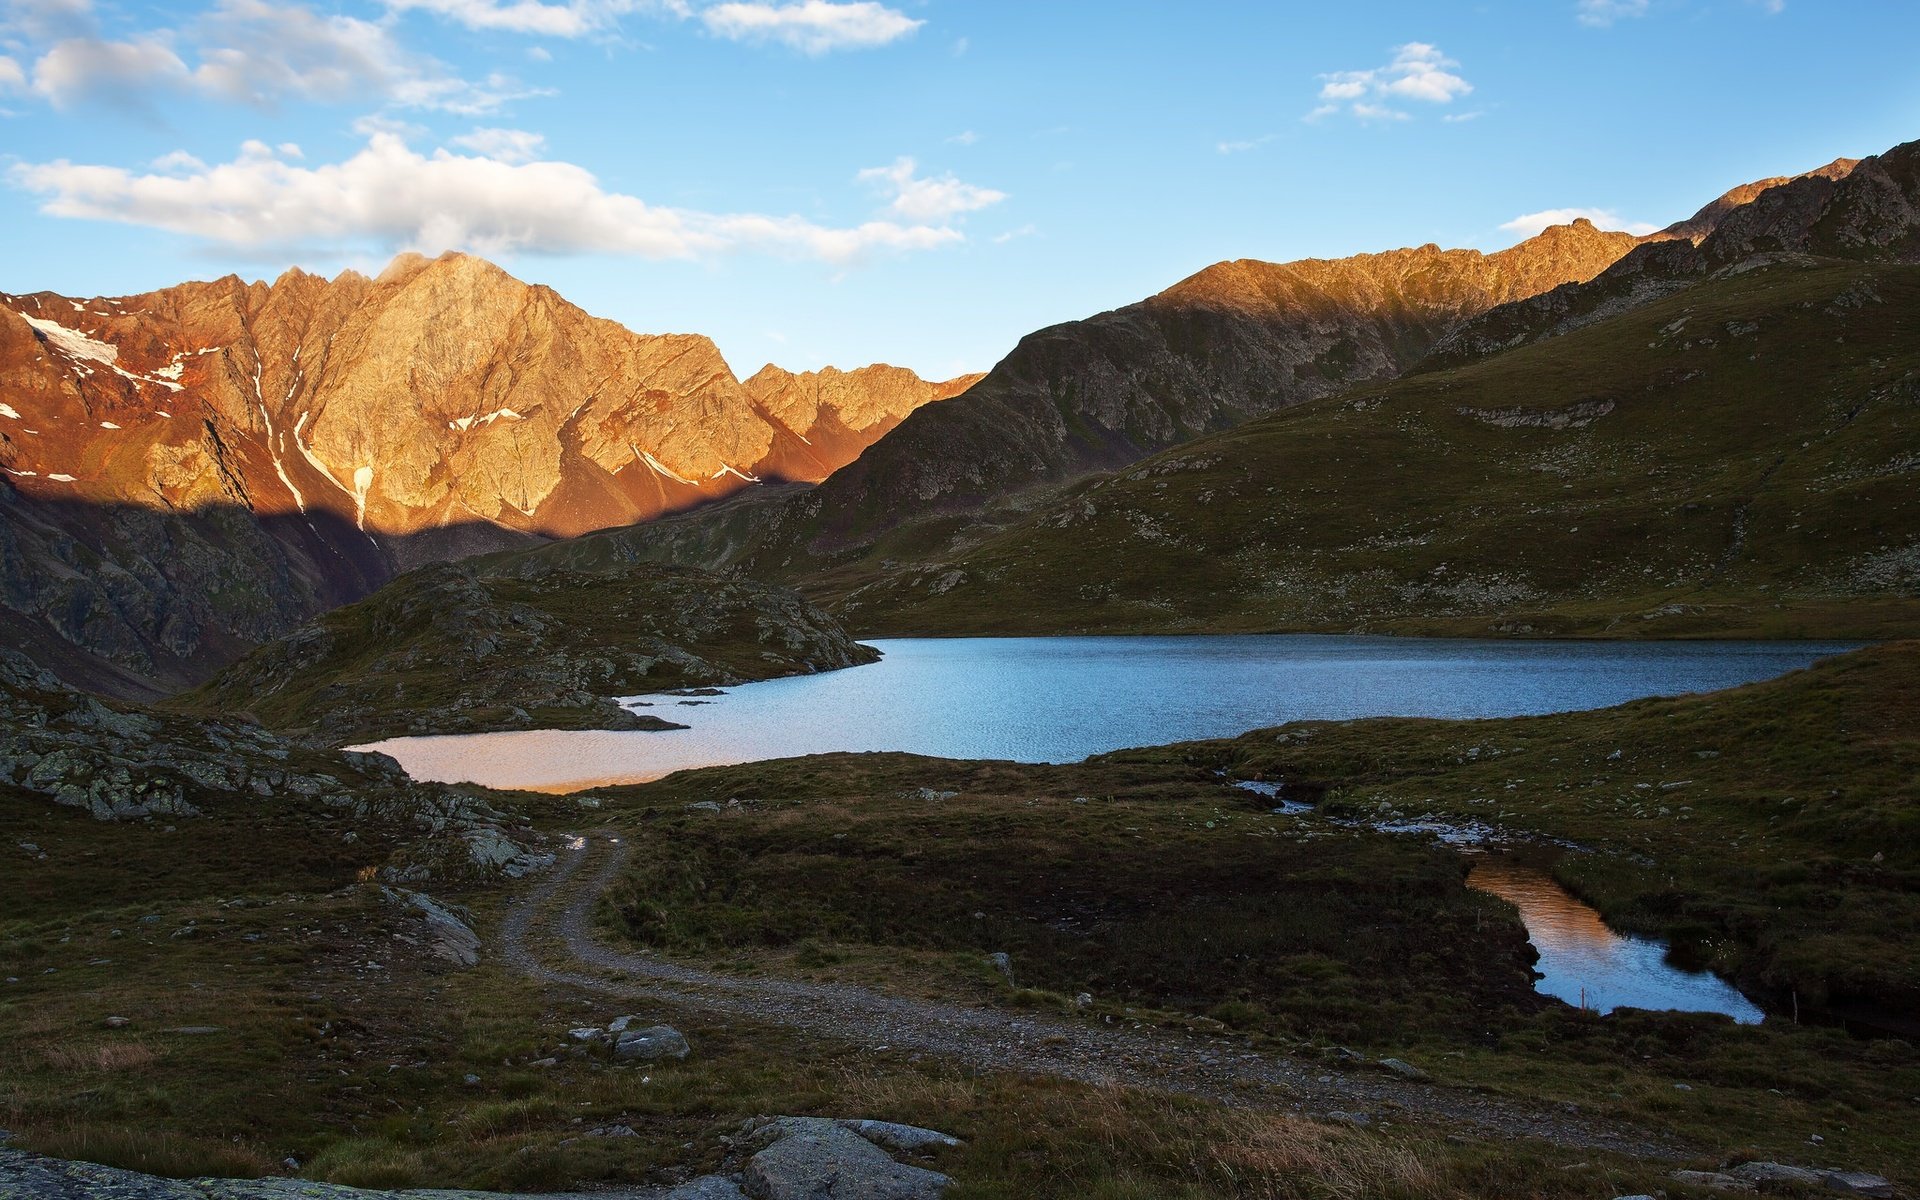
(1555,920)
(1585,963)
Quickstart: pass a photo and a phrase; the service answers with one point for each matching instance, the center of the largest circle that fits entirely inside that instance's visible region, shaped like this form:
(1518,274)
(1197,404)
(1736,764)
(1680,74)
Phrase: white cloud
(1529,224)
(506,145)
(394,197)
(259,52)
(46,20)
(1418,72)
(965,137)
(87,68)
(12,78)
(919,199)
(1602,13)
(809,26)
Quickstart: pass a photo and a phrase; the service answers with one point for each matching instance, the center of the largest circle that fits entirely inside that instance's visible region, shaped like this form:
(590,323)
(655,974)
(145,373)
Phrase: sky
(921,182)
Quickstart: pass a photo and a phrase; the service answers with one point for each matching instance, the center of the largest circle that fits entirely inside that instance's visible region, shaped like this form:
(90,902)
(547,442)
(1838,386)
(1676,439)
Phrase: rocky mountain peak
(440,409)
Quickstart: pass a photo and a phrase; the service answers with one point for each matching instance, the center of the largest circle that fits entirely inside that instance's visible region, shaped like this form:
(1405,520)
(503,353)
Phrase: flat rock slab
(829,1162)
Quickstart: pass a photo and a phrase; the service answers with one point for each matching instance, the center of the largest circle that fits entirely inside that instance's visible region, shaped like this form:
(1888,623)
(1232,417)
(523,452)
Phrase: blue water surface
(1060,699)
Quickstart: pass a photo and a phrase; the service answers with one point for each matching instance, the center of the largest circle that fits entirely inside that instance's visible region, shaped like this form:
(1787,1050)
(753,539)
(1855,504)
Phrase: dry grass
(1267,1155)
(157,1153)
(1117,1142)
(99,1057)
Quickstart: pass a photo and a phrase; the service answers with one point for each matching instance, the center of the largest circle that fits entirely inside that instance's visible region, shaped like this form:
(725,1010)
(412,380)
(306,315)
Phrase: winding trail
(552,923)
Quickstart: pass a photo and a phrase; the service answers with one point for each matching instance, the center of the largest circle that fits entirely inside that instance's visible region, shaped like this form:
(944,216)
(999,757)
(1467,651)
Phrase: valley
(934,835)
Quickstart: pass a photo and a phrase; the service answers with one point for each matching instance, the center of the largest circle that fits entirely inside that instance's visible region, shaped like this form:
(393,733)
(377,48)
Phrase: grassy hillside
(510,642)
(1741,457)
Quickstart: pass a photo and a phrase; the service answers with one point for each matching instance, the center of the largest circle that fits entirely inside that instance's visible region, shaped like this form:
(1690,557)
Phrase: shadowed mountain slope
(1740,457)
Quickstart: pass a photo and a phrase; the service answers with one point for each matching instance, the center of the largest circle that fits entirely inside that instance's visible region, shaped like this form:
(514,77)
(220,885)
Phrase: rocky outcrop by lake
(519,642)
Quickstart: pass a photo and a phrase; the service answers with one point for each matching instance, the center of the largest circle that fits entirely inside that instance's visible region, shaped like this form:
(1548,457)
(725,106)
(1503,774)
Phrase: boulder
(652,1043)
(1403,1069)
(1719,1181)
(1772,1172)
(824,1161)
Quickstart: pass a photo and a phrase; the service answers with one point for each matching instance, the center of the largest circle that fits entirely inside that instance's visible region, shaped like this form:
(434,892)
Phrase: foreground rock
(1773,1176)
(521,641)
(789,1158)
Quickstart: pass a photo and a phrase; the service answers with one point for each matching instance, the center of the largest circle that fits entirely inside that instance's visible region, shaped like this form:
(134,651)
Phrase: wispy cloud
(1418,73)
(1242,146)
(390,196)
(1602,13)
(1528,225)
(505,145)
(965,137)
(568,19)
(809,26)
(927,199)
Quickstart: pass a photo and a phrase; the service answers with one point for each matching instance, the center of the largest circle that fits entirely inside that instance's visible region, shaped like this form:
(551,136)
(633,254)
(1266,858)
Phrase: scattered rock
(452,938)
(707,1187)
(1771,1172)
(705,806)
(902,1139)
(651,1043)
(116,1022)
(1002,962)
(1717,1180)
(1403,1069)
(587,1033)
(1850,1183)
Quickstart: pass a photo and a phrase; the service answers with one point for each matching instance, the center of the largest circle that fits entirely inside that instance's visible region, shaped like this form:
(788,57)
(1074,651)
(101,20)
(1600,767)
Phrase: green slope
(1741,457)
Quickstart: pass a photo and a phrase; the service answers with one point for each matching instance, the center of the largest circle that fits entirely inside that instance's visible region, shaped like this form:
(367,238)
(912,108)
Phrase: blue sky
(914,181)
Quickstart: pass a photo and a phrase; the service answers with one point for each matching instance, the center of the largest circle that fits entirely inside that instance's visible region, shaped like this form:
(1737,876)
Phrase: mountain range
(198,471)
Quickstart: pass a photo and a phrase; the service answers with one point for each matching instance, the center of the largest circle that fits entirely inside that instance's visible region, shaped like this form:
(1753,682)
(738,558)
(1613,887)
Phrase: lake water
(1587,964)
(1061,699)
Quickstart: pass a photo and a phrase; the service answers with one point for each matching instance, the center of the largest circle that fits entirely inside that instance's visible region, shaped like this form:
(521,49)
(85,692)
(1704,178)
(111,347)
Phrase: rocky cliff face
(199,468)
